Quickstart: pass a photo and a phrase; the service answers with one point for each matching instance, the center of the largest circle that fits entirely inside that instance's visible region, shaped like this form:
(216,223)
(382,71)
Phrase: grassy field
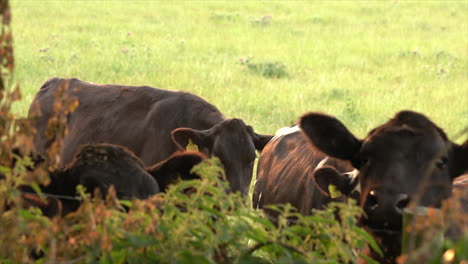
(359,60)
(266,62)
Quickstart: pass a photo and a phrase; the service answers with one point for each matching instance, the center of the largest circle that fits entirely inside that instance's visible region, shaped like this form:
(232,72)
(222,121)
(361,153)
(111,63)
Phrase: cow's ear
(332,183)
(261,140)
(460,159)
(330,136)
(177,167)
(191,139)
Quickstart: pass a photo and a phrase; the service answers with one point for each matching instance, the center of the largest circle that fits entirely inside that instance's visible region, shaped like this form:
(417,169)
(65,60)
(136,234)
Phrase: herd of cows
(135,138)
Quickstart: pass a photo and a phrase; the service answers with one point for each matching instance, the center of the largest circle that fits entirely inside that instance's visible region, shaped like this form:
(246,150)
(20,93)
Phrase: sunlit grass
(359,60)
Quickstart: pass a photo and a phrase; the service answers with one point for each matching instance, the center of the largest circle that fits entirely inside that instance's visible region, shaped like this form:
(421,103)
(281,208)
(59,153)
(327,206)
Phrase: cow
(408,160)
(100,166)
(290,170)
(458,226)
(153,123)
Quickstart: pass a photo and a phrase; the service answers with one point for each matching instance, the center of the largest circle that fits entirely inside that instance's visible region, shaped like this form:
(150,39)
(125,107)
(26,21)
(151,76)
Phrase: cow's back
(285,173)
(137,117)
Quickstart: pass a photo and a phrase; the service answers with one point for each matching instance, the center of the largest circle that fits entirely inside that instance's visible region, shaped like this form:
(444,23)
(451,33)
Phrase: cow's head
(102,165)
(406,160)
(233,142)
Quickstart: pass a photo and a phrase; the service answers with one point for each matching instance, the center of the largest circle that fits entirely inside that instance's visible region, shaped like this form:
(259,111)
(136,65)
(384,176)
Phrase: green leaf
(27,214)
(4,169)
(211,210)
(190,257)
(37,189)
(252,260)
(367,259)
(263,221)
(126,203)
(138,241)
(368,238)
(319,219)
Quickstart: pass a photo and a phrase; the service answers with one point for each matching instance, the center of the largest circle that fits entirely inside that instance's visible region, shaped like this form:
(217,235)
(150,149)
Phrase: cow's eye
(102,157)
(442,162)
(360,160)
(363,160)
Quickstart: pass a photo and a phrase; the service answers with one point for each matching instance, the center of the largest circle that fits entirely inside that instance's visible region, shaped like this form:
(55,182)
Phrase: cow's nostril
(401,202)
(372,200)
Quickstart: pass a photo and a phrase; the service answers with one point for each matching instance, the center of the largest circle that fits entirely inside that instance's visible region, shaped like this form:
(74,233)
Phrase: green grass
(359,60)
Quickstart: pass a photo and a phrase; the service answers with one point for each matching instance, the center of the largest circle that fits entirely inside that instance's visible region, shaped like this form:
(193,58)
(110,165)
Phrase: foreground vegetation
(209,226)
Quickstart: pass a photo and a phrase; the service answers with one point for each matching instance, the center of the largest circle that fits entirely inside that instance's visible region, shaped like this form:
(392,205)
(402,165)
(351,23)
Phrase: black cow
(102,165)
(290,170)
(153,123)
(406,160)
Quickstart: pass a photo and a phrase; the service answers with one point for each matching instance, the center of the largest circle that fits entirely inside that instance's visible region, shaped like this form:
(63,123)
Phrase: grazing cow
(406,160)
(290,170)
(102,165)
(153,123)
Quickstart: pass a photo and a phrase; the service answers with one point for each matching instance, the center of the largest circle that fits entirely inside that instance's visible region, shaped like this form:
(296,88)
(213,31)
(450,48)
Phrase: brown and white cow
(291,170)
(407,160)
(153,123)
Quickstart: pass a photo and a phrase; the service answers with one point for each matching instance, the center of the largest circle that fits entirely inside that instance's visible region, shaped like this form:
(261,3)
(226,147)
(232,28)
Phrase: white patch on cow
(259,199)
(97,84)
(285,131)
(353,176)
(321,163)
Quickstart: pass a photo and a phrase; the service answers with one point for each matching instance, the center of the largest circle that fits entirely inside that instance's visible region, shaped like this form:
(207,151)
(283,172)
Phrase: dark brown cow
(102,165)
(406,160)
(289,170)
(153,123)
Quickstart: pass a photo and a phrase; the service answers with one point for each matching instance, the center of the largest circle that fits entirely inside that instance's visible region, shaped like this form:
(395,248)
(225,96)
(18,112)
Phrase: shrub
(273,69)
(207,226)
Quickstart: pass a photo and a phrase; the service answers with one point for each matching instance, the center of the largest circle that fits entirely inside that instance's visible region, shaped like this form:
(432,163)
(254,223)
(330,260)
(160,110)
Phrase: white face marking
(321,163)
(357,188)
(353,175)
(285,131)
(259,199)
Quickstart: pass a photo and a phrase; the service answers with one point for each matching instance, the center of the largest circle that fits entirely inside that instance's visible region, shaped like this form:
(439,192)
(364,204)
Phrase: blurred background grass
(359,60)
